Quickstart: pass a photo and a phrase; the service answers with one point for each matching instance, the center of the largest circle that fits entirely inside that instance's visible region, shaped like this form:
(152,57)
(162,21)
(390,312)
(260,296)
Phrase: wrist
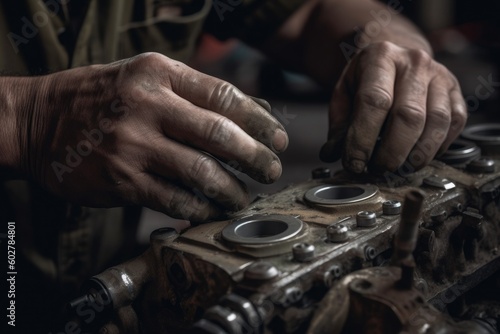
(18,109)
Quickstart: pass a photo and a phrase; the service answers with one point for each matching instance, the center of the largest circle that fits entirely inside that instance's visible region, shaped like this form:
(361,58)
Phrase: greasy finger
(224,139)
(372,101)
(437,124)
(197,171)
(407,118)
(458,116)
(338,120)
(175,201)
(223,98)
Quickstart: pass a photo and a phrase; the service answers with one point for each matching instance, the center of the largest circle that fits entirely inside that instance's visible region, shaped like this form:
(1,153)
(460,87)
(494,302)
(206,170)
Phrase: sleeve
(249,20)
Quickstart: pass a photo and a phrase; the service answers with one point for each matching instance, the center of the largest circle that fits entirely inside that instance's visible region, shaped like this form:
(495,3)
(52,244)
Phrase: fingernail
(280,140)
(356,166)
(274,171)
(261,102)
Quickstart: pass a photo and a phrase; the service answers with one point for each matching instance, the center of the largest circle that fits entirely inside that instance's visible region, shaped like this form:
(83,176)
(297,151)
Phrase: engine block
(392,253)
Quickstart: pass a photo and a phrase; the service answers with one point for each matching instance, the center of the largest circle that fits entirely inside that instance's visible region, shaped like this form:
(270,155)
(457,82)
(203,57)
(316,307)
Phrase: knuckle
(204,168)
(440,116)
(149,59)
(420,58)
(174,203)
(383,49)
(386,47)
(220,132)
(412,116)
(223,96)
(377,98)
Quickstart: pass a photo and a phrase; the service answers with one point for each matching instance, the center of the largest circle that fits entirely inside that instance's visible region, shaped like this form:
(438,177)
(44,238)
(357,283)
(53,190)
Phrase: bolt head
(261,271)
(370,253)
(337,233)
(366,218)
(303,252)
(481,165)
(391,207)
(321,173)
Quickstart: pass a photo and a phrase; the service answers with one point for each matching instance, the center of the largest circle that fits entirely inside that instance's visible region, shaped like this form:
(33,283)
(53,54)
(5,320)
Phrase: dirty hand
(401,96)
(147,131)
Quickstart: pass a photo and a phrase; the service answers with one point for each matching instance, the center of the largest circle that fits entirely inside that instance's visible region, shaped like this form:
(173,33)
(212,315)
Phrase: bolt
(370,253)
(335,270)
(439,215)
(321,173)
(481,165)
(261,271)
(291,296)
(337,233)
(303,252)
(329,276)
(458,207)
(391,207)
(366,218)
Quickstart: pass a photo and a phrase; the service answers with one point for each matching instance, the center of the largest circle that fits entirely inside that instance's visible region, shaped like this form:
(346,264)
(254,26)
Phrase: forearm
(324,34)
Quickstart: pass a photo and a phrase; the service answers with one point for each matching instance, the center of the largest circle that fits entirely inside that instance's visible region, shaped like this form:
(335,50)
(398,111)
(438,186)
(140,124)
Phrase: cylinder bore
(262,229)
(486,136)
(460,153)
(339,194)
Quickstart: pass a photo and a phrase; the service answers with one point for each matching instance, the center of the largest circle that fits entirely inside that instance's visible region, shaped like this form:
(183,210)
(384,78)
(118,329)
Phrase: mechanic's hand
(403,96)
(145,131)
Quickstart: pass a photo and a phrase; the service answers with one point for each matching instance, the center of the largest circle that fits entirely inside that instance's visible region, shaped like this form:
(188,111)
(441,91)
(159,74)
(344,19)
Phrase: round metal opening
(339,194)
(482,133)
(487,136)
(460,152)
(262,229)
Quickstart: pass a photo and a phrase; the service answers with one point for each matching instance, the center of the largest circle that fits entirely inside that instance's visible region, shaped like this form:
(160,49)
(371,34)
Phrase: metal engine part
(397,253)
